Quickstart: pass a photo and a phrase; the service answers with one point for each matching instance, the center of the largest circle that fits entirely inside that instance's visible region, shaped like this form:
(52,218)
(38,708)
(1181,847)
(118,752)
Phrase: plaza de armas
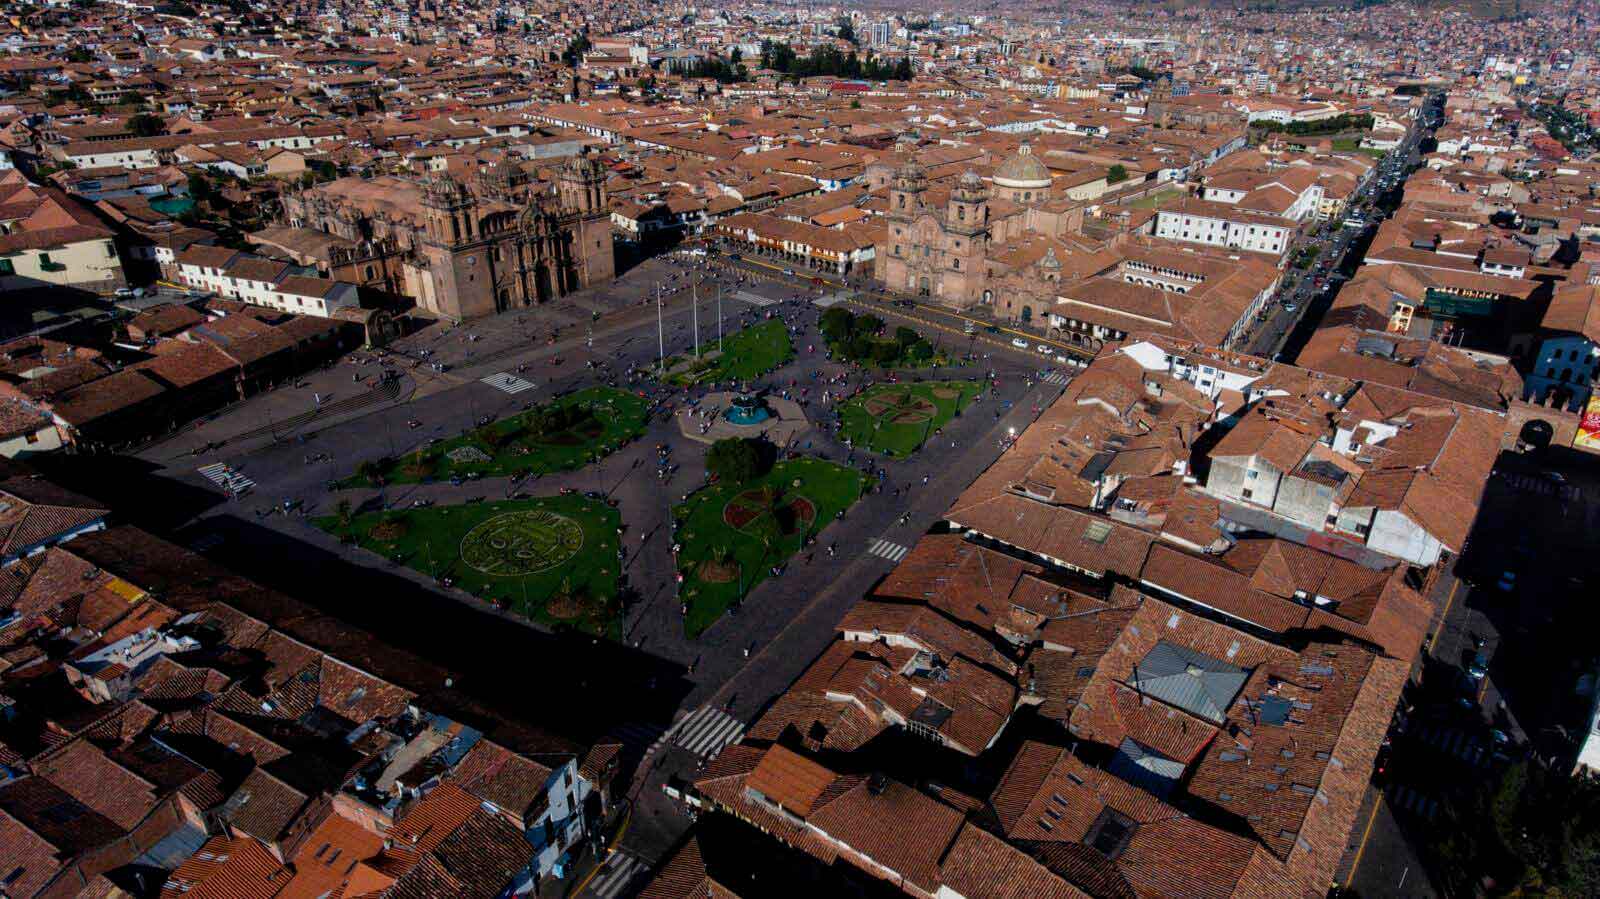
(559,560)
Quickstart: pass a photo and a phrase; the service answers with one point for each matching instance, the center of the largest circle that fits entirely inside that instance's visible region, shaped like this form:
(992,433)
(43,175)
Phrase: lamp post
(661,339)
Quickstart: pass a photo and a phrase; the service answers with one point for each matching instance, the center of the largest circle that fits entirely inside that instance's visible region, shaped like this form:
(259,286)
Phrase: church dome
(1023,171)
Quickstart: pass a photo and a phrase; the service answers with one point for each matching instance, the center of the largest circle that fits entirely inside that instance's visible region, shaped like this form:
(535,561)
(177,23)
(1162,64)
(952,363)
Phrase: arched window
(1566,374)
(371,273)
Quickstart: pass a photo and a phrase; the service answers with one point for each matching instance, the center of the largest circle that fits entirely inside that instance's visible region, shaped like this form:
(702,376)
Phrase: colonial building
(466,251)
(947,243)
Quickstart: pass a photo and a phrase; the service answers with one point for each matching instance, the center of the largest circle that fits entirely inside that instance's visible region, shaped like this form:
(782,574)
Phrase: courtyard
(552,559)
(567,432)
(896,419)
(731,536)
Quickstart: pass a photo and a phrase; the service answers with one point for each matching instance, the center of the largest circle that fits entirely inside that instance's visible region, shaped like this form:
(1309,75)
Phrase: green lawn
(747,354)
(602,419)
(721,562)
(895,419)
(553,559)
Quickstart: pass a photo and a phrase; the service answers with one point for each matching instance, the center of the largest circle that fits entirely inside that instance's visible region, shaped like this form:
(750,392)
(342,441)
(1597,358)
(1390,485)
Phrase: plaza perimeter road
(659,673)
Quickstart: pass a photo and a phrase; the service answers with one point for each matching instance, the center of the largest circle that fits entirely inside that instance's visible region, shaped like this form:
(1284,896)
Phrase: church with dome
(954,244)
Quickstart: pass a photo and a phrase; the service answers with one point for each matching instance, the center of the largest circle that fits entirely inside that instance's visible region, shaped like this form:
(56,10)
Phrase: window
(1251,474)
(6,268)
(1246,493)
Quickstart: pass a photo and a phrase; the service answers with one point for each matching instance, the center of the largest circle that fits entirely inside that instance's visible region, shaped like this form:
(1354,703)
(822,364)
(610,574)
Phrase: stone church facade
(944,243)
(464,251)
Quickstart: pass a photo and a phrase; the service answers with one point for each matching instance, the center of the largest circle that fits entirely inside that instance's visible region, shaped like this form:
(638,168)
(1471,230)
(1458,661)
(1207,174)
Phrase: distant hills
(1485,9)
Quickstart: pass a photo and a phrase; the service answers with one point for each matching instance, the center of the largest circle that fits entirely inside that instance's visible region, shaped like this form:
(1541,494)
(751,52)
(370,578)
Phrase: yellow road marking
(1443,618)
(601,863)
(1356,865)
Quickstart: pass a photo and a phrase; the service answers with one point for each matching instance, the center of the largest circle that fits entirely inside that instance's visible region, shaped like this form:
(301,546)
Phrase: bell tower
(448,206)
(581,186)
(905,196)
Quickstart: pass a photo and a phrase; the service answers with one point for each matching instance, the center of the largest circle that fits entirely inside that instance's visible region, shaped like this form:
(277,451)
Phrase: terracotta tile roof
(789,780)
(896,826)
(263,806)
(515,784)
(981,864)
(227,868)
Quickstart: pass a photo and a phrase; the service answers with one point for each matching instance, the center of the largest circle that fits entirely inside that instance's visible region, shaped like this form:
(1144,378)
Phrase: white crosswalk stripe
(620,869)
(706,731)
(1409,800)
(1055,377)
(225,477)
(1456,742)
(894,552)
(508,382)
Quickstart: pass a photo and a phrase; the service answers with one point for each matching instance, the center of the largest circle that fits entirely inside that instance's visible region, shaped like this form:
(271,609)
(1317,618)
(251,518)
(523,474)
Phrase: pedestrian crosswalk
(1542,486)
(1451,741)
(618,871)
(223,476)
(705,731)
(1056,377)
(508,382)
(1407,799)
(894,552)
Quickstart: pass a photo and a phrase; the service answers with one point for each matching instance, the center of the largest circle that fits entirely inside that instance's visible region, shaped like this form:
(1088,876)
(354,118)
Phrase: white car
(1045,350)
(1019,343)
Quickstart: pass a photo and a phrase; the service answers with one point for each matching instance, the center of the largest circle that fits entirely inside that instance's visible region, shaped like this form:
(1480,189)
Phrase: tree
(885,353)
(146,125)
(199,187)
(737,56)
(867,325)
(1117,174)
(921,351)
(905,336)
(733,460)
(836,322)
(847,30)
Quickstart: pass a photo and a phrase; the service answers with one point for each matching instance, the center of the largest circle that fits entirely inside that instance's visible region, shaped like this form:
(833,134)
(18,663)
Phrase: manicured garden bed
(746,354)
(553,559)
(567,432)
(896,419)
(731,535)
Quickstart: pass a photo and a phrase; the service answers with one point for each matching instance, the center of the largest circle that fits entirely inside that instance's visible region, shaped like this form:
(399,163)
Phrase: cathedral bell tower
(581,186)
(448,207)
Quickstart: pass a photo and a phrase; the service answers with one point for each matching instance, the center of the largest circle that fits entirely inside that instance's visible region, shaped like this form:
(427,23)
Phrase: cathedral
(467,250)
(951,244)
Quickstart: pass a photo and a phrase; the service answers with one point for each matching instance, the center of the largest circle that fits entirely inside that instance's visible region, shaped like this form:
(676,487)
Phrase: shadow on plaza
(568,683)
(136,490)
(572,683)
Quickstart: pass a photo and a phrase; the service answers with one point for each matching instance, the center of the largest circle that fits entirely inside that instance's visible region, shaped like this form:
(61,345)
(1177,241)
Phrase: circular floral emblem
(521,543)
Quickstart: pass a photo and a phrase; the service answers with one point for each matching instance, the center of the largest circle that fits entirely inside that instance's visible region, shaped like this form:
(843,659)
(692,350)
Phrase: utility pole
(661,339)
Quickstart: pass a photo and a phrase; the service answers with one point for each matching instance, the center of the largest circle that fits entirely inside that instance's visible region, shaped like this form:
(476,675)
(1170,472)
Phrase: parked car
(1045,349)
(1019,343)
